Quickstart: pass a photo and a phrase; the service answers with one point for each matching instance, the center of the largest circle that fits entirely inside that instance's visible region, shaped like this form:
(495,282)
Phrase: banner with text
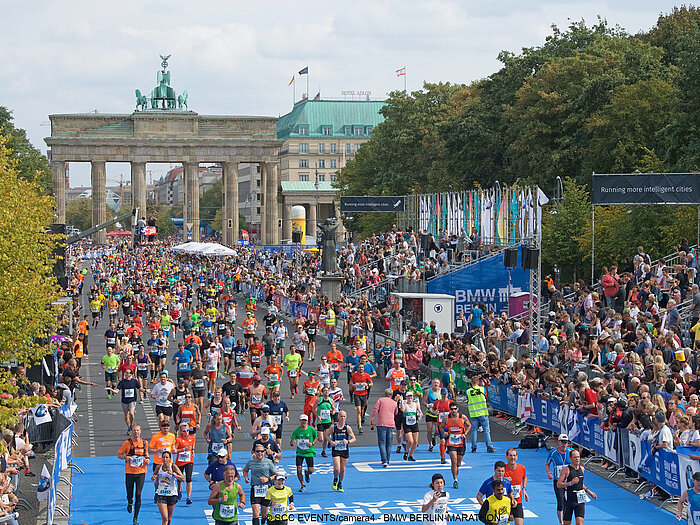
(647,188)
(372,204)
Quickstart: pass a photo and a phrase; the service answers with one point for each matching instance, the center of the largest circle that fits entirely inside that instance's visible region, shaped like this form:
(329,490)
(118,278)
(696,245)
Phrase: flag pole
(294,90)
(307,85)
(404,80)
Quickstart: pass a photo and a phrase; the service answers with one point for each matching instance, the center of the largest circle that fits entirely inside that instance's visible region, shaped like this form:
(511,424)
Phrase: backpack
(531,441)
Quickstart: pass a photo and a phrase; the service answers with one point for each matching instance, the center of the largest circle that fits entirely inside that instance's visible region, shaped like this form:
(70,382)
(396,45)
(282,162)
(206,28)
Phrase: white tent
(208,249)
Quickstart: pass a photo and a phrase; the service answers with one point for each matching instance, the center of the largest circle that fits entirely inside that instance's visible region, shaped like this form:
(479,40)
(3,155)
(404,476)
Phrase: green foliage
(210,203)
(79,213)
(31,165)
(163,214)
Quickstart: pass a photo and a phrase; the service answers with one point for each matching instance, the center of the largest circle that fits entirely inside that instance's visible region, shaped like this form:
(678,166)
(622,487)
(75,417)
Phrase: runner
(311,390)
(228,342)
(234,391)
(303,438)
(411,415)
(558,458)
(265,419)
(293,362)
(455,428)
(189,413)
(161,442)
(360,382)
(258,395)
(218,436)
(517,475)
(249,325)
(396,375)
(323,372)
(161,393)
(279,500)
(324,408)
(129,388)
(240,354)
(278,410)
(499,471)
(227,498)
(184,459)
(166,488)
(134,452)
(211,358)
(431,415)
(341,436)
(272,450)
(273,373)
(434,504)
(244,376)
(496,509)
(281,335)
(143,365)
(335,359)
(259,472)
(268,342)
(110,363)
(184,359)
(311,327)
(692,498)
(577,494)
(200,379)
(256,354)
(299,340)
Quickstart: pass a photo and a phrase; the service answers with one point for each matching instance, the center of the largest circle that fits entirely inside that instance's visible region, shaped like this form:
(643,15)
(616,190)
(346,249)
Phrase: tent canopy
(208,249)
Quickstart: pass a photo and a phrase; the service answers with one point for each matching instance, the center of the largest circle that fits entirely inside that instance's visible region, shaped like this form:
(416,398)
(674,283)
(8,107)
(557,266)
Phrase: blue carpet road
(370,491)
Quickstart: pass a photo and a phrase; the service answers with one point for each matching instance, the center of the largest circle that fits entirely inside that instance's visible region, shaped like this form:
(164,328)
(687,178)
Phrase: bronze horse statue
(182,101)
(141,100)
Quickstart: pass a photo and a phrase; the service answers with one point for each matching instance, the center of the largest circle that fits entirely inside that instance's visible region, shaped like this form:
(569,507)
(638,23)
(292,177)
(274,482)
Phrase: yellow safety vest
(330,318)
(476,402)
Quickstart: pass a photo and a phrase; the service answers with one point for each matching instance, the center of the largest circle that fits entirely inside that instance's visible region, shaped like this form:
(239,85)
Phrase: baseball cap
(563,437)
(444,391)
(312,373)
(281,474)
(265,430)
(256,377)
(409,393)
(265,407)
(222,452)
(303,416)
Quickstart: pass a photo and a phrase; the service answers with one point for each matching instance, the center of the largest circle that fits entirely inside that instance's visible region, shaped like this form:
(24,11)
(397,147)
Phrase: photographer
(435,502)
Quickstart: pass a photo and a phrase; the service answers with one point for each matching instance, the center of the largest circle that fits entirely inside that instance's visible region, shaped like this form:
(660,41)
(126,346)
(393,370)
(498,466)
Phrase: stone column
(230,202)
(191,204)
(273,182)
(287,223)
(311,223)
(58,174)
(138,188)
(99,201)
(264,209)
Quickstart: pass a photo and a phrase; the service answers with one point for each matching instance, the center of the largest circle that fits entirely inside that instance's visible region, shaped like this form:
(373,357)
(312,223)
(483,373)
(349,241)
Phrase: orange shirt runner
(516,477)
(185,456)
(132,447)
(161,441)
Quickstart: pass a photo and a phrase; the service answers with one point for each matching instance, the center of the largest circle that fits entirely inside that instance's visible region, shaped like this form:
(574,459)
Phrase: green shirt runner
(305,438)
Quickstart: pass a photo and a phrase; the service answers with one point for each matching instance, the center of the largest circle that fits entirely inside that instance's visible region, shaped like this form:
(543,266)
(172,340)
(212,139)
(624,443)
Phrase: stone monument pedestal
(330,286)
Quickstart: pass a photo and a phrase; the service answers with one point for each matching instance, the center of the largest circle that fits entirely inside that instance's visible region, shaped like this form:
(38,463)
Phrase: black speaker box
(530,258)
(510,258)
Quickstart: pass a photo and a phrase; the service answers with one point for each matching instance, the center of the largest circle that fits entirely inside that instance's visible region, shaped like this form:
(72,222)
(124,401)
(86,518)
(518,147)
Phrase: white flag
(44,488)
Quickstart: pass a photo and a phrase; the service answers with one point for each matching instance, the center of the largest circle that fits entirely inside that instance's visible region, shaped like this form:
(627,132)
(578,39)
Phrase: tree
(210,203)
(31,165)
(27,288)
(561,228)
(79,213)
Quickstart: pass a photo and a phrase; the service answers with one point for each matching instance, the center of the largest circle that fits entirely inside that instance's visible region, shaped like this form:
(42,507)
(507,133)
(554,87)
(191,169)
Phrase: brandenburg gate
(162,129)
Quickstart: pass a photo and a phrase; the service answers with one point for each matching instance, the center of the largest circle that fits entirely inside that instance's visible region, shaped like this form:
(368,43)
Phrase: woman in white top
(411,412)
(166,487)
(323,372)
(434,504)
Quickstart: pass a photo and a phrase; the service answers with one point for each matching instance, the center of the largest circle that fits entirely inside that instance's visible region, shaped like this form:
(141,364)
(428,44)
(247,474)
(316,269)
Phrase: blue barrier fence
(670,470)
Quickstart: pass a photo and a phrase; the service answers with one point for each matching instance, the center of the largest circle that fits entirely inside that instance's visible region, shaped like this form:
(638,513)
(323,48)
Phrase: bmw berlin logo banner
(372,204)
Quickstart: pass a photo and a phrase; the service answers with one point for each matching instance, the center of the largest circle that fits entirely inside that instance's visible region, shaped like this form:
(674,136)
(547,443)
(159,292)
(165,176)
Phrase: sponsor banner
(372,204)
(649,188)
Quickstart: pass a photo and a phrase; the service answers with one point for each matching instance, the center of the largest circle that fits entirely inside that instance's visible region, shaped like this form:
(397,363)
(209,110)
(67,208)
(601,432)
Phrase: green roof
(293,186)
(335,114)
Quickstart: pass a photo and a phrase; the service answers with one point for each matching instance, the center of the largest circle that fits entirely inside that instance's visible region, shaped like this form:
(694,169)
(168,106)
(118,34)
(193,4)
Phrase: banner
(372,204)
(649,188)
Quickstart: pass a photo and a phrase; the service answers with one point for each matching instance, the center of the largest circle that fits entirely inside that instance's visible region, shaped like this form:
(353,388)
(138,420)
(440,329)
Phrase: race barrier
(671,471)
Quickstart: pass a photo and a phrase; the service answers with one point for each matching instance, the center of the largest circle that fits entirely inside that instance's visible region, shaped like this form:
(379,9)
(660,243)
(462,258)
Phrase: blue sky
(238,57)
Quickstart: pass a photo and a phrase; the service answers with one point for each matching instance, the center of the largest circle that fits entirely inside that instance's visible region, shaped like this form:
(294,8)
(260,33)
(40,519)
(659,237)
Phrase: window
(303,163)
(257,168)
(257,183)
(303,147)
(321,148)
(334,163)
(357,147)
(304,131)
(304,177)
(327,131)
(322,163)
(333,145)
(321,177)
(258,212)
(258,197)
(358,131)
(333,177)
(348,130)
(348,148)
(370,129)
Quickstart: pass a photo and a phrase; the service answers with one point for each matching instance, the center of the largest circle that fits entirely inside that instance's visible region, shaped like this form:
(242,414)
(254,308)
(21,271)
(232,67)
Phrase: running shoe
(410,458)
(129,507)
(323,454)
(291,397)
(335,485)
(473,450)
(340,488)
(135,522)
(109,396)
(189,501)
(405,456)
(307,476)
(398,449)
(455,485)
(491,449)
(302,489)
(430,448)
(385,465)
(443,461)
(360,430)
(128,431)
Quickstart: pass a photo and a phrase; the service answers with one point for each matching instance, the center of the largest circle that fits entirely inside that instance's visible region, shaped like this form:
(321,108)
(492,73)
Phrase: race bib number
(325,414)
(255,359)
(455,440)
(341,446)
(211,367)
(143,367)
(181,399)
(502,520)
(185,456)
(292,373)
(111,369)
(277,418)
(256,399)
(335,366)
(166,489)
(227,511)
(215,447)
(136,461)
(410,419)
(278,509)
(695,517)
(112,311)
(582,496)
(129,393)
(516,490)
(260,491)
(199,383)
(163,401)
(303,444)
(360,387)
(182,366)
(274,378)
(311,391)
(557,470)
(443,415)
(111,341)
